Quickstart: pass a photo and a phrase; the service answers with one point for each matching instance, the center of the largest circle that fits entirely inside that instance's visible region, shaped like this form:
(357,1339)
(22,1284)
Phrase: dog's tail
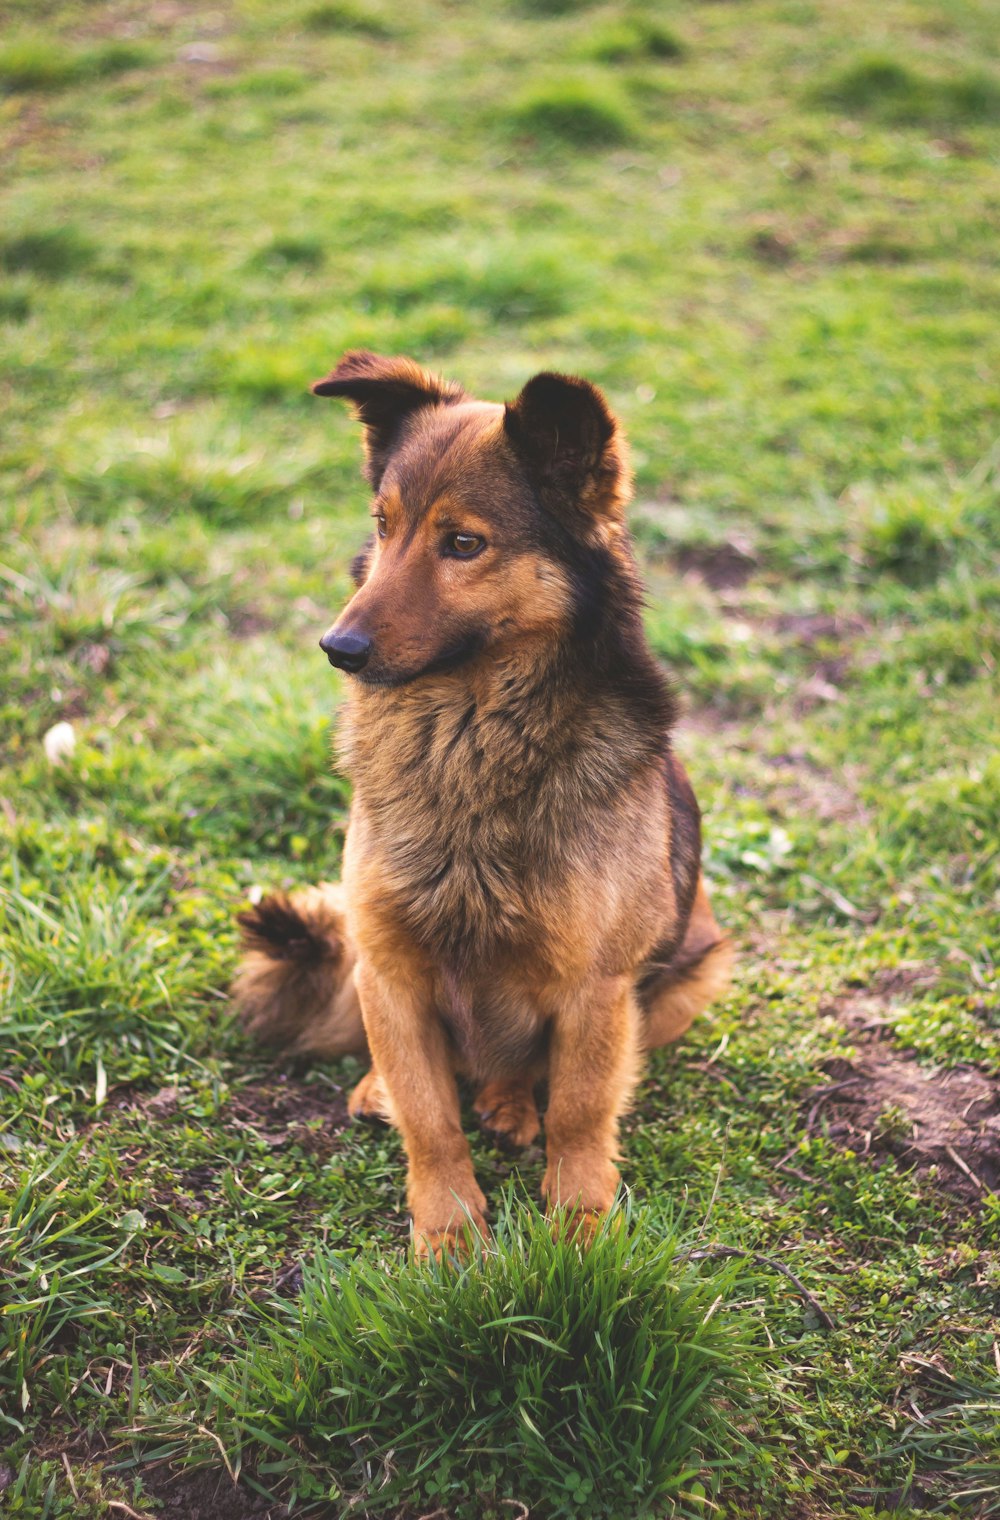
(295,986)
(674,991)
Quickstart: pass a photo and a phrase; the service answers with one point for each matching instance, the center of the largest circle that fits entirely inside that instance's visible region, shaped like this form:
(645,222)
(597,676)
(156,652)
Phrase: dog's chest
(464,809)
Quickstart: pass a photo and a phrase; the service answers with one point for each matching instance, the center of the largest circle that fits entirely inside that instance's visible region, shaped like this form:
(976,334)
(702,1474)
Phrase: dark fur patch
(559,426)
(361,561)
(685,836)
(386,392)
(275,928)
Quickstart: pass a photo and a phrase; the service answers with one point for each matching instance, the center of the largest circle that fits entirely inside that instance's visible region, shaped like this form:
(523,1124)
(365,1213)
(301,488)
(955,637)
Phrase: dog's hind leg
(673,993)
(506,1110)
(295,986)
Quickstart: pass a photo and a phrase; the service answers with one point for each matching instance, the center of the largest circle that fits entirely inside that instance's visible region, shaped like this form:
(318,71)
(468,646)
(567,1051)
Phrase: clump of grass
(958,1441)
(92,978)
(43,63)
(891,92)
(955,811)
(76,603)
(60,1247)
(581,112)
(631,40)
(265,84)
(262,773)
(583,1381)
(51,253)
(36,63)
(291,253)
(548,7)
(912,534)
(506,282)
(15,306)
(349,16)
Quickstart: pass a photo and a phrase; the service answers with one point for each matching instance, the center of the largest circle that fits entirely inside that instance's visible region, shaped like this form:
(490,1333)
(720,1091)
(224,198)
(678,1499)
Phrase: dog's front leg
(411,1053)
(593,1057)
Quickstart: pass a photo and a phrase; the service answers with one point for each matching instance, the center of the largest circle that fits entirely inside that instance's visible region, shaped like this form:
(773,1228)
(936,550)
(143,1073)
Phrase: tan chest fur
(492,829)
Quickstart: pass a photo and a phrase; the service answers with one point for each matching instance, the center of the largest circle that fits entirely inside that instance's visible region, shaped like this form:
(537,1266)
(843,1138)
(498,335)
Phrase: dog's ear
(385,393)
(572,448)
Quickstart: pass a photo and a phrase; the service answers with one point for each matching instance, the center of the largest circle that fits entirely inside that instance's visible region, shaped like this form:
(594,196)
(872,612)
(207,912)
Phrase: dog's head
(492,523)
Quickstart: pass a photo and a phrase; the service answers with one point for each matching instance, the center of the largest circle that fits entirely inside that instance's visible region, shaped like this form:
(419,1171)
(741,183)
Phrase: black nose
(348,651)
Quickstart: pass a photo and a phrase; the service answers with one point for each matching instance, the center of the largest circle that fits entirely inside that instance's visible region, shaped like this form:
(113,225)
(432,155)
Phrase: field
(768,229)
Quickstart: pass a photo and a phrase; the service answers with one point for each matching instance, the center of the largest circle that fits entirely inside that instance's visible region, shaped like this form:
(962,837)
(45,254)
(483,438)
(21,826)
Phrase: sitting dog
(521,894)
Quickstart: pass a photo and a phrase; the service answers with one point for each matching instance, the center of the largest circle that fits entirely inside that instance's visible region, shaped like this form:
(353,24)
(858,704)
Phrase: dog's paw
(457,1240)
(447,1218)
(370,1100)
(580,1225)
(578,1192)
(507,1112)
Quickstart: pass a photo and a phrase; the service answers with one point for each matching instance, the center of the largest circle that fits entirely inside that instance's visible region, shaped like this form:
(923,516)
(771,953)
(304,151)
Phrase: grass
(582,112)
(477,1383)
(898,94)
(774,250)
(40,63)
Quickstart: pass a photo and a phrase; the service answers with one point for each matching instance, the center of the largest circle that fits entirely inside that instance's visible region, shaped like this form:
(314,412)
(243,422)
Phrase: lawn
(768,229)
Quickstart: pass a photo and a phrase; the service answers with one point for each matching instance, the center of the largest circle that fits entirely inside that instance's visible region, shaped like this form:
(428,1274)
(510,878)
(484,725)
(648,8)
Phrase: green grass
(767,231)
(578,111)
(477,1384)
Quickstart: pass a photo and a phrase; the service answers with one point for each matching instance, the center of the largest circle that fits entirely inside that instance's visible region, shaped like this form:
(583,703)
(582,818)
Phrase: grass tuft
(51,253)
(583,112)
(15,306)
(548,7)
(90,978)
(890,91)
(583,1381)
(349,16)
(291,253)
(631,40)
(505,282)
(912,533)
(40,63)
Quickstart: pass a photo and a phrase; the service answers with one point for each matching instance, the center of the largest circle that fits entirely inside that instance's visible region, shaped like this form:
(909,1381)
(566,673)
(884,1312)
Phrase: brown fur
(521,889)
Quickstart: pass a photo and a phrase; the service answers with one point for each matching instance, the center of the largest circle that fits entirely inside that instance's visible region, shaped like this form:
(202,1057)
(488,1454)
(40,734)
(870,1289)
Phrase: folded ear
(571,446)
(385,393)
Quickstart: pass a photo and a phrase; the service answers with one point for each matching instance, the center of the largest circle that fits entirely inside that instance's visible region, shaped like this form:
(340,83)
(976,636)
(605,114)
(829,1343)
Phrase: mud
(885,1104)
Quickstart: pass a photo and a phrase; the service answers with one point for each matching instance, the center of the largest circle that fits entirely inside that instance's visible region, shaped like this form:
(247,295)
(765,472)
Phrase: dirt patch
(208,1494)
(284,1111)
(802,786)
(721,566)
(885,1103)
(810,628)
(247,622)
(281,1110)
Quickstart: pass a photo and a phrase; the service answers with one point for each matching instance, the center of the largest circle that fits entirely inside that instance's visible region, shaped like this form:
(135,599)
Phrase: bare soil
(207,1494)
(886,1103)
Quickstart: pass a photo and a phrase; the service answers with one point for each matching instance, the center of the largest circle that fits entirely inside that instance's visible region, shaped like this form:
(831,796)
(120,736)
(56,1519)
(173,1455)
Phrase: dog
(521,896)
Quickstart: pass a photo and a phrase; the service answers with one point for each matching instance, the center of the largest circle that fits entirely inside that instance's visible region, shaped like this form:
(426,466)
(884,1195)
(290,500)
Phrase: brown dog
(521,891)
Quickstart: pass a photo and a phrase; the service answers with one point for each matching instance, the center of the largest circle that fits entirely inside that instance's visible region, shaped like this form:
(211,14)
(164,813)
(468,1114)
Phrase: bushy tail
(673,999)
(295,986)
(673,992)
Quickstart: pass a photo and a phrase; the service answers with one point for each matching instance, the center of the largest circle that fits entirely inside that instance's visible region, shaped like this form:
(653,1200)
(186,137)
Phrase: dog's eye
(464,545)
(380,524)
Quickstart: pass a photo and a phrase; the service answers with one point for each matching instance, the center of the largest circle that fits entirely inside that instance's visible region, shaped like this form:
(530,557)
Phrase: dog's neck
(475,784)
(512,719)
